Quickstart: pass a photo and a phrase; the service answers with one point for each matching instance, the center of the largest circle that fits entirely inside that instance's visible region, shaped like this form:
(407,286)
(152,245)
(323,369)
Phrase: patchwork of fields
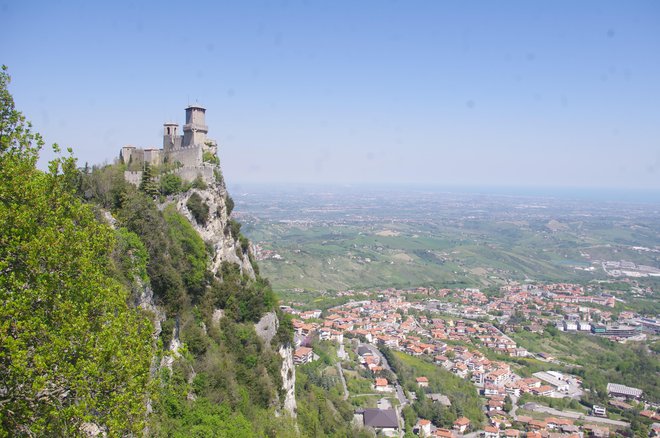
(334,241)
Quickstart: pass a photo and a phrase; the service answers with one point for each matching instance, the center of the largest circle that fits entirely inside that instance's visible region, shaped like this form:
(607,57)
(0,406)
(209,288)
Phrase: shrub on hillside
(230,205)
(199,183)
(233,228)
(198,208)
(170,184)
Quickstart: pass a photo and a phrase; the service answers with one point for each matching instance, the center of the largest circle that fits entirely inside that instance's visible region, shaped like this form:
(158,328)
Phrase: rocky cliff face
(288,380)
(266,329)
(216,230)
(144,299)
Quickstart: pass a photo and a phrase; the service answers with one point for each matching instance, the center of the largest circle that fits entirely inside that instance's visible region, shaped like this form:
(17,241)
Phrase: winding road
(383,362)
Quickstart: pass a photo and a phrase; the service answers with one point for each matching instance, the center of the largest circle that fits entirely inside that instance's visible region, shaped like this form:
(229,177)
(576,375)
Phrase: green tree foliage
(148,184)
(409,417)
(230,205)
(178,417)
(217,175)
(209,157)
(629,364)
(284,335)
(71,350)
(245,244)
(198,208)
(131,257)
(199,183)
(178,257)
(462,393)
(322,411)
(139,214)
(508,403)
(234,370)
(551,330)
(599,361)
(233,228)
(189,250)
(242,298)
(170,184)
(105,186)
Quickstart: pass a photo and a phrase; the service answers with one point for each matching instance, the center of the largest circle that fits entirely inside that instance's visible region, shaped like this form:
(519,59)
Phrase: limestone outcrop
(216,230)
(266,329)
(288,380)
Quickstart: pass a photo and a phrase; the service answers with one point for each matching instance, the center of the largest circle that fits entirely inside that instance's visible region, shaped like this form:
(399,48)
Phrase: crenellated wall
(133,176)
(186,150)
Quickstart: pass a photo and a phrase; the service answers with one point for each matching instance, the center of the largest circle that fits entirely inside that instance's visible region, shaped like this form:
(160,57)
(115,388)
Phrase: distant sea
(617,195)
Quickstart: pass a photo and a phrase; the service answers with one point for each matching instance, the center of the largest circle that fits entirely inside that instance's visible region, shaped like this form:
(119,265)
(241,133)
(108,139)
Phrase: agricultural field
(349,239)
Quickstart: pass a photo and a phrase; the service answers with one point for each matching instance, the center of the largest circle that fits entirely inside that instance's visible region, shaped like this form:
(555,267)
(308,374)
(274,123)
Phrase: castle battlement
(184,153)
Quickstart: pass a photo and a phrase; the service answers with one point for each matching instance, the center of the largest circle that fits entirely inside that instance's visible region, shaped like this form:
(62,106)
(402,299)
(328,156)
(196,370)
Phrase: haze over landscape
(553,94)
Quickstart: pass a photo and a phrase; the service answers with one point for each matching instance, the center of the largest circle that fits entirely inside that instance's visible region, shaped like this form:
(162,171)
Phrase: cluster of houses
(558,300)
(425,428)
(410,327)
(565,305)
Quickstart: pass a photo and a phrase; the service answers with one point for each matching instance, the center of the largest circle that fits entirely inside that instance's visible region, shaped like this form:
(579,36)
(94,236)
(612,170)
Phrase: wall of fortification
(133,177)
(170,142)
(191,173)
(154,157)
(126,154)
(187,156)
(137,157)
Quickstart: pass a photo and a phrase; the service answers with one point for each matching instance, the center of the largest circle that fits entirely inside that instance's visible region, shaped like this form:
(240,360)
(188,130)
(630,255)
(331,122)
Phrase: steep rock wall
(172,352)
(226,247)
(266,329)
(288,380)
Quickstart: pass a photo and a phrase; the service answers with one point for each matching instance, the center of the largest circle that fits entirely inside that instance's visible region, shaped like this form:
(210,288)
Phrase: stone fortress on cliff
(189,156)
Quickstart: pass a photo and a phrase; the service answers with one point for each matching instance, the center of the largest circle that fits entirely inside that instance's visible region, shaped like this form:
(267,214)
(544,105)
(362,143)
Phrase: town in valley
(542,356)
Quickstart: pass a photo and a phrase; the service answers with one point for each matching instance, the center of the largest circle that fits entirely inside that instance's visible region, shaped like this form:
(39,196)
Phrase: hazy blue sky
(500,93)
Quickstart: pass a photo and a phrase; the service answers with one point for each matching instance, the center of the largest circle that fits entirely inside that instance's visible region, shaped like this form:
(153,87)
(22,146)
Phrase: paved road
(399,391)
(340,370)
(383,362)
(400,395)
(574,415)
(341,353)
(514,403)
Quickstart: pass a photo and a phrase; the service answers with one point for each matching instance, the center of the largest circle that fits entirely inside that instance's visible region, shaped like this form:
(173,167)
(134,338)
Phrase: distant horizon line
(614,194)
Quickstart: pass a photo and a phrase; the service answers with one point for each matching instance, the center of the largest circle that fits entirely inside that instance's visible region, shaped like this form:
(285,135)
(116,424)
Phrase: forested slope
(128,310)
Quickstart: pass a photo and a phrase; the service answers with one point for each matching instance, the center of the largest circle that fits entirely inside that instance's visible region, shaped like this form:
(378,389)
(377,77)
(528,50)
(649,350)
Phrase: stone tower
(170,139)
(195,129)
